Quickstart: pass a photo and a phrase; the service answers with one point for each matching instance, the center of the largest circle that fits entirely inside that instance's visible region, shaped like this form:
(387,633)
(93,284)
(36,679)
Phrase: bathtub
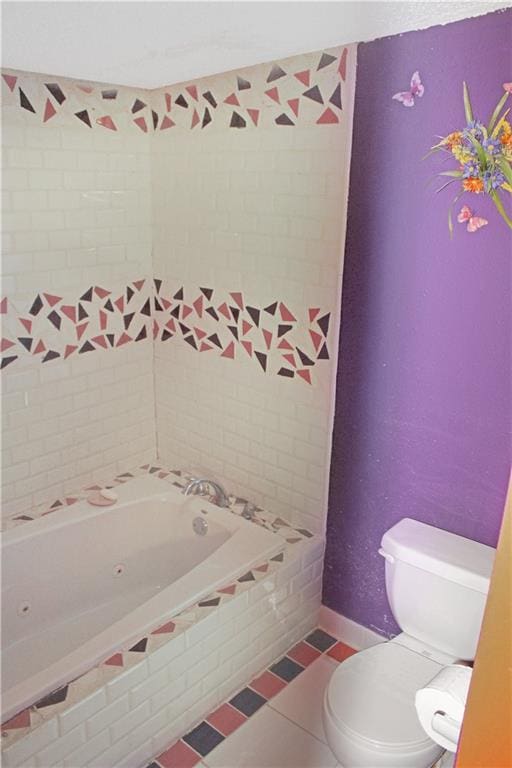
(84,582)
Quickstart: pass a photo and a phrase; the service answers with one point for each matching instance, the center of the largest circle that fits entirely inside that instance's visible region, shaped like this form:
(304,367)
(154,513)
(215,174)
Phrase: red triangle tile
(223,309)
(294,106)
(268,338)
(286,315)
(123,339)
(262,568)
(115,661)
(305,374)
(284,344)
(186,311)
(80,330)
(101,340)
(192,89)
(167,304)
(195,119)
(254,114)
(167,123)
(229,352)
(342,69)
(6,344)
(101,292)
(22,719)
(313,312)
(10,80)
(156,328)
(141,122)
(198,306)
(51,299)
(204,347)
(170,324)
(228,590)
(120,303)
(200,333)
(168,101)
(70,348)
(273,94)
(165,629)
(238,299)
(3,306)
(107,122)
(247,345)
(69,311)
(290,359)
(246,327)
(232,99)
(138,284)
(103,320)
(303,76)
(327,118)
(49,111)
(40,347)
(316,339)
(86,88)
(26,323)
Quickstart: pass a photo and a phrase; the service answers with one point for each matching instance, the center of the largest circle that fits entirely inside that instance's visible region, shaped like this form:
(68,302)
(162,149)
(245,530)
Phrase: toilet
(437,584)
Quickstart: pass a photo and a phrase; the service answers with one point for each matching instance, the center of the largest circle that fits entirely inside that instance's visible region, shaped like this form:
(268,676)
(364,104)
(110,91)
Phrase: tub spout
(197,486)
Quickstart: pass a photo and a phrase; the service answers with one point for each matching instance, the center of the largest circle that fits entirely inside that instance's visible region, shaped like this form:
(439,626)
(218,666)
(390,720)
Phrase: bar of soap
(103,498)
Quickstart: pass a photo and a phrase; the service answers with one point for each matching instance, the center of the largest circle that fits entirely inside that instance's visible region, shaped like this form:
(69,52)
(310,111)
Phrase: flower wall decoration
(484,156)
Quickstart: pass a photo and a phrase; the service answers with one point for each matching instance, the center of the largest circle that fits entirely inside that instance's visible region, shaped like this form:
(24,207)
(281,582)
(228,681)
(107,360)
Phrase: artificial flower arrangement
(484,155)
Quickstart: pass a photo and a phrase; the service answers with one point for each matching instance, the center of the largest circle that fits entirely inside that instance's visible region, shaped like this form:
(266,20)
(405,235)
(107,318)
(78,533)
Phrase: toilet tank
(437,584)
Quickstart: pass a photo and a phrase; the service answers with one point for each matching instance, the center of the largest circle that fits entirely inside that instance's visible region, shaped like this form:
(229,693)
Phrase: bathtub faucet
(197,486)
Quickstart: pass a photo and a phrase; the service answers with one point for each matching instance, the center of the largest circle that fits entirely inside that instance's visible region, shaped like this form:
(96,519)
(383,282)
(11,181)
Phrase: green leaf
(467,103)
(499,124)
(505,169)
(501,210)
(482,159)
(450,222)
(444,186)
(457,174)
(494,116)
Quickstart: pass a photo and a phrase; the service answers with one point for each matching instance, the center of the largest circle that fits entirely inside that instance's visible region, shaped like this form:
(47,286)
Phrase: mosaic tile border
(50,327)
(233,713)
(299,90)
(74,691)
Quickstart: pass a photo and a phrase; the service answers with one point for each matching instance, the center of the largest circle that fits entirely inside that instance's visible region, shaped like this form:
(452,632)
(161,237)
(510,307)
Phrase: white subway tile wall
(76,213)
(236,183)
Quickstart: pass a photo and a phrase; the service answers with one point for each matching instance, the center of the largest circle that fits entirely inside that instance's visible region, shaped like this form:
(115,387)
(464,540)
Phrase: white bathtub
(84,582)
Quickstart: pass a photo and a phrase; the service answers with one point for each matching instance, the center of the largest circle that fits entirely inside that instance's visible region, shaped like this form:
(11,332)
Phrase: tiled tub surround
(150,563)
(76,214)
(257,214)
(137,700)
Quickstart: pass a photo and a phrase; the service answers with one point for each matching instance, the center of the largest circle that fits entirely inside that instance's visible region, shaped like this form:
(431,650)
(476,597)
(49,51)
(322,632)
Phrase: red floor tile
(267,684)
(180,755)
(340,651)
(304,654)
(226,719)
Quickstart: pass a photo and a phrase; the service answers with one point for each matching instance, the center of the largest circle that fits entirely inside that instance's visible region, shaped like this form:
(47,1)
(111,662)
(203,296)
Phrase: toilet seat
(369,708)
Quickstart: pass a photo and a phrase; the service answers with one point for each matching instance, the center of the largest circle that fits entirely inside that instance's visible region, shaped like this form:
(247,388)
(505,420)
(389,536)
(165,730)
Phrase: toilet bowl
(369,715)
(436,584)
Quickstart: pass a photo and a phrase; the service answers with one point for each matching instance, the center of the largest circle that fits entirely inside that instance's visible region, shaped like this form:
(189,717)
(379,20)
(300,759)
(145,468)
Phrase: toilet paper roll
(440,705)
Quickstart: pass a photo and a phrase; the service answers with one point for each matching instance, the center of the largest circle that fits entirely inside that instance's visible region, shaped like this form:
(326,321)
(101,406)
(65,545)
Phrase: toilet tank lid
(445,554)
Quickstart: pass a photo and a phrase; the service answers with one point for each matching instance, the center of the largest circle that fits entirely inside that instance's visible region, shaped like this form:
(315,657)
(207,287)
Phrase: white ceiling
(152,43)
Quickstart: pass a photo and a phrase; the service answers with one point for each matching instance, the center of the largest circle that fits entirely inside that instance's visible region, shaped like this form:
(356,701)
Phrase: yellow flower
(506,128)
(462,154)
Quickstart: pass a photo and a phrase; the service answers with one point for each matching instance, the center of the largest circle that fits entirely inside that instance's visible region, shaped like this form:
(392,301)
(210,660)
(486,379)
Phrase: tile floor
(274,722)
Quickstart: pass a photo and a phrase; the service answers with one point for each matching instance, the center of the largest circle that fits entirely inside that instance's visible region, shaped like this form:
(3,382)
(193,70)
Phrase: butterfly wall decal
(417,89)
(474,222)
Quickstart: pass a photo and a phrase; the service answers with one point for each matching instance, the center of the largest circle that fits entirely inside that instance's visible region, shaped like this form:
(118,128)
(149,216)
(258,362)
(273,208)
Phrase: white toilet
(437,585)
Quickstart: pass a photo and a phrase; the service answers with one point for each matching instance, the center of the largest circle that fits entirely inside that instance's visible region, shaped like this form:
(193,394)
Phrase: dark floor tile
(320,640)
(247,701)
(153,765)
(286,669)
(203,738)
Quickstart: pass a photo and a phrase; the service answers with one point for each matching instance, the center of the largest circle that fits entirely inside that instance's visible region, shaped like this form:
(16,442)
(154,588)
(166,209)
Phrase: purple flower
(493,179)
(492,146)
(474,129)
(471,168)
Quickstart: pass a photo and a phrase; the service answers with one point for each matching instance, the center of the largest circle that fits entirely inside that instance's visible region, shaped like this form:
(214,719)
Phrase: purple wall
(423,409)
